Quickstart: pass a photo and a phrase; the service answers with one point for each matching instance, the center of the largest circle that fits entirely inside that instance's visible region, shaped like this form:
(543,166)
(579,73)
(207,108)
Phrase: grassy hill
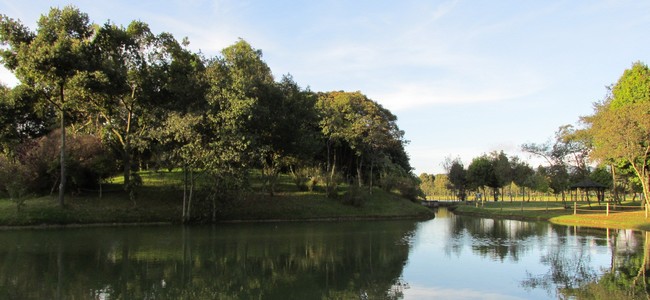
(159,200)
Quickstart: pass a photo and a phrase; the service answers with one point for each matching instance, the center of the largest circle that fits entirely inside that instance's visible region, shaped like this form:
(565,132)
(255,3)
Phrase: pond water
(449,257)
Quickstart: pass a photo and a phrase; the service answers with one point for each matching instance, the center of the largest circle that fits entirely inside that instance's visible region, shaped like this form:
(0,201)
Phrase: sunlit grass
(626,216)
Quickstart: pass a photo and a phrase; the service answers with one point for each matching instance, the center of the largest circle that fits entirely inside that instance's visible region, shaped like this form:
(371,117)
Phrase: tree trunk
(372,165)
(189,200)
(126,159)
(63,171)
(359,166)
(184,193)
(614,189)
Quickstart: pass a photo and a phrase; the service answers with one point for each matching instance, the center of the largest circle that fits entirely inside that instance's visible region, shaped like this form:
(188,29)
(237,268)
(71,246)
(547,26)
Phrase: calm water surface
(449,257)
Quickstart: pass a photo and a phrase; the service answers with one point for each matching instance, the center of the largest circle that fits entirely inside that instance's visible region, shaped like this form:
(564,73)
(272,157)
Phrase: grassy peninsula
(626,216)
(159,200)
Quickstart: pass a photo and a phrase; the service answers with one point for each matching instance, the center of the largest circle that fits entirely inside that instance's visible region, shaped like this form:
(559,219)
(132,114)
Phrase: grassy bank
(626,216)
(160,200)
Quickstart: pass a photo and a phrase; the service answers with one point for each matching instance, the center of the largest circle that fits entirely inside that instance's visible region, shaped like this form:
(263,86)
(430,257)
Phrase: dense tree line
(94,100)
(612,147)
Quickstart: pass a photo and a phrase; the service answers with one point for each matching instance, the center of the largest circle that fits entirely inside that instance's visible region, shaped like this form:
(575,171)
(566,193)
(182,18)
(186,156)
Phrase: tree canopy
(152,103)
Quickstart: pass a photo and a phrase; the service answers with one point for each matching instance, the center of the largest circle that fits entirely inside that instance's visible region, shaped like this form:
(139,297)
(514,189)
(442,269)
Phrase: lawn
(159,200)
(626,216)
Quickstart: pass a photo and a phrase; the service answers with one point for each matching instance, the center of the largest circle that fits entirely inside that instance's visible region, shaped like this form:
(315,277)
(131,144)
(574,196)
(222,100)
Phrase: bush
(408,186)
(87,162)
(15,181)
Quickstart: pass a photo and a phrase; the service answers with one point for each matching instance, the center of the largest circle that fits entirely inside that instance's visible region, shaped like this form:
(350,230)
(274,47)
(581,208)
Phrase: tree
(481,173)
(457,176)
(502,170)
(49,59)
(363,128)
(567,153)
(427,184)
(132,92)
(22,117)
(620,126)
(521,174)
(624,134)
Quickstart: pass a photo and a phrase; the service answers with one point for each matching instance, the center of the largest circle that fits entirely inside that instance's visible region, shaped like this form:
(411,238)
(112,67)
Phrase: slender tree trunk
(184,192)
(359,166)
(63,171)
(189,201)
(372,165)
(614,189)
(126,172)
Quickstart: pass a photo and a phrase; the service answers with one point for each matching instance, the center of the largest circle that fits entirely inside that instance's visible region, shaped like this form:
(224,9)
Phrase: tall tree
(481,174)
(566,155)
(49,59)
(623,133)
(457,176)
(427,184)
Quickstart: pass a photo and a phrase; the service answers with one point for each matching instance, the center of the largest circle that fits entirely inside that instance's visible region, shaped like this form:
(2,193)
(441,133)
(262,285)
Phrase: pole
(575,207)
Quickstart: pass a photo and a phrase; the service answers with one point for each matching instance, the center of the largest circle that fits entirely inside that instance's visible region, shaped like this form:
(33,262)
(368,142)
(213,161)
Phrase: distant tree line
(611,147)
(96,100)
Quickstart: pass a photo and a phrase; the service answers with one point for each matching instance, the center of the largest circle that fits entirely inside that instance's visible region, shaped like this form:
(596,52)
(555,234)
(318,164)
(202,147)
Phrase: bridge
(441,203)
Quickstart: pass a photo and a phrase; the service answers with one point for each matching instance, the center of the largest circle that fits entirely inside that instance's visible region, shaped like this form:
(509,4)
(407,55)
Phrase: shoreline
(45,226)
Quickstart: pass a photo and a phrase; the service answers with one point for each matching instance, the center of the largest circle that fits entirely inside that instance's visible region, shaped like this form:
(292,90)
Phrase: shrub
(87,162)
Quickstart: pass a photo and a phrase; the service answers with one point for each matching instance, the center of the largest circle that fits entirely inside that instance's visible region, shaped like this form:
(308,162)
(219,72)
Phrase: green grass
(160,200)
(555,212)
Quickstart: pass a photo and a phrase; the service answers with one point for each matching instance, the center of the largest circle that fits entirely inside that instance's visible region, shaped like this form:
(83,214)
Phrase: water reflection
(263,261)
(529,260)
(450,257)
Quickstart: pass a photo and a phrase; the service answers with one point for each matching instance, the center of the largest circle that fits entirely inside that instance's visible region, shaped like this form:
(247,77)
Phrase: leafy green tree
(624,133)
(620,126)
(521,174)
(568,152)
(21,118)
(129,91)
(502,170)
(481,174)
(427,184)
(632,87)
(457,176)
(353,123)
(49,59)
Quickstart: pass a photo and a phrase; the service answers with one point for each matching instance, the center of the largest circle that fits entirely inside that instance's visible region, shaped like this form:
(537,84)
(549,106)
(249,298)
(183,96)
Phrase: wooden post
(575,207)
(607,214)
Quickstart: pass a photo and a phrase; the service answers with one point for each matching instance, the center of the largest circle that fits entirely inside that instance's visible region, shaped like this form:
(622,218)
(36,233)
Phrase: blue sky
(463,77)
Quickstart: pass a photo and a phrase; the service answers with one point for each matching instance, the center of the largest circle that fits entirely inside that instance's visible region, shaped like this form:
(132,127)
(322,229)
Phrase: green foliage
(134,99)
(427,184)
(620,126)
(602,175)
(458,180)
(632,87)
(15,181)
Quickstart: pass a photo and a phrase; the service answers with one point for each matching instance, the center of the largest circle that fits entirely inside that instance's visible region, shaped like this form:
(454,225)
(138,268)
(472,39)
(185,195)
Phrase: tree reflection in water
(566,251)
(344,260)
(570,276)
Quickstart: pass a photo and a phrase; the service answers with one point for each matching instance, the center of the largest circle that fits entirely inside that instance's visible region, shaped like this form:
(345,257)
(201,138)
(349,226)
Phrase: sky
(464,78)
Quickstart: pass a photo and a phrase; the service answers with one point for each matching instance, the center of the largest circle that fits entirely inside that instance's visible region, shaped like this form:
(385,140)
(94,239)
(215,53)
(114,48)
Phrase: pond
(449,257)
